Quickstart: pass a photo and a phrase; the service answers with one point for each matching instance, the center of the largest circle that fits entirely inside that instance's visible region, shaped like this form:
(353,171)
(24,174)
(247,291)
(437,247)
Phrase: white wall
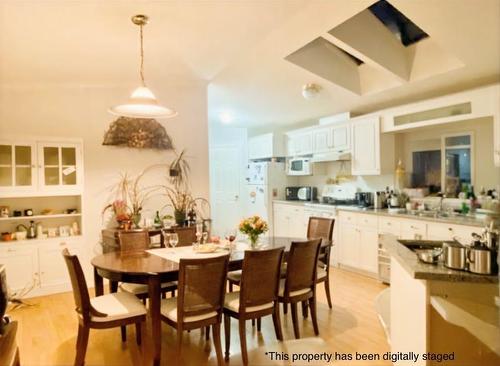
(81,112)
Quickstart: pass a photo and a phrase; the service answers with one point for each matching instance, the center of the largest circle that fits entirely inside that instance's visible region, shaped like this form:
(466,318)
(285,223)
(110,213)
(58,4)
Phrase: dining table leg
(154,311)
(98,283)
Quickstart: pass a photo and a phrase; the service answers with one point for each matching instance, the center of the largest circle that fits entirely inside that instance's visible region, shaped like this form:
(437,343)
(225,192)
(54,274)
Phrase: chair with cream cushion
(258,295)
(101,312)
(200,299)
(300,282)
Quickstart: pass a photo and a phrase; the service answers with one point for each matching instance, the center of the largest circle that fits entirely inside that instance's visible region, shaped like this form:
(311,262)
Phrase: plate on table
(206,248)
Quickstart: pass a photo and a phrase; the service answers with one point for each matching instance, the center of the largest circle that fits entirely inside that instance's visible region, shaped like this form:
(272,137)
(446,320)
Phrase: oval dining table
(146,268)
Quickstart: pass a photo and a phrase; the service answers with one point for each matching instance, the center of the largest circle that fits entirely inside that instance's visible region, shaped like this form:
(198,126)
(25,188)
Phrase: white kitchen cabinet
(288,220)
(299,142)
(341,138)
(21,266)
(349,245)
(442,231)
(53,270)
(413,229)
(322,140)
(331,139)
(368,249)
(266,146)
(17,167)
(389,225)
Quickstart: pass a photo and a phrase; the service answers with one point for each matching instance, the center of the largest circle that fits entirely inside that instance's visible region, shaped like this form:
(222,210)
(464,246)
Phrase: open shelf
(55,216)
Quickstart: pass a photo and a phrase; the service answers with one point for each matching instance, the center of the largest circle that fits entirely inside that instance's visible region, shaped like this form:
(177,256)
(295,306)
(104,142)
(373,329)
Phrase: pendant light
(142,102)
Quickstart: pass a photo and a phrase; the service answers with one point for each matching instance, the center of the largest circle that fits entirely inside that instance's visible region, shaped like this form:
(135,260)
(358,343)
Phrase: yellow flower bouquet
(253,227)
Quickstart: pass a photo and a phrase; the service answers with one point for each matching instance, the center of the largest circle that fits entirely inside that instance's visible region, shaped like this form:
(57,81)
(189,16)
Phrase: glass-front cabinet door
(17,167)
(60,167)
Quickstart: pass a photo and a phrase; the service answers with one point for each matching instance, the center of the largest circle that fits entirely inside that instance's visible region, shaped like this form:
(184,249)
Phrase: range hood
(331,156)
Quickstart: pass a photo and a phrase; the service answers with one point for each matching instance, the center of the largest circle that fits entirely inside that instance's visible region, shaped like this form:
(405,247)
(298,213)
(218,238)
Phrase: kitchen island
(443,316)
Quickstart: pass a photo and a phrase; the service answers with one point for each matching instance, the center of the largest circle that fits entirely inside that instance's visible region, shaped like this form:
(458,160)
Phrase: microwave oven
(299,166)
(300,193)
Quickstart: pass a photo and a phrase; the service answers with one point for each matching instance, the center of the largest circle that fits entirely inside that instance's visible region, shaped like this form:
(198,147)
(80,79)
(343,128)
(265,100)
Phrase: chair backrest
(133,240)
(202,284)
(260,277)
(80,291)
(301,266)
(4,295)
(187,235)
(321,227)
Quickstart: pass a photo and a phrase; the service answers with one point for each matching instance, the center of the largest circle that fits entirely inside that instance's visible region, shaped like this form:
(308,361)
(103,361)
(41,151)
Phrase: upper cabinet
(335,138)
(269,145)
(300,142)
(372,152)
(35,168)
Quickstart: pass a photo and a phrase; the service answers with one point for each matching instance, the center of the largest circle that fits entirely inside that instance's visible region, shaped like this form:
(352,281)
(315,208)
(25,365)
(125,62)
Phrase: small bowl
(7,236)
(429,256)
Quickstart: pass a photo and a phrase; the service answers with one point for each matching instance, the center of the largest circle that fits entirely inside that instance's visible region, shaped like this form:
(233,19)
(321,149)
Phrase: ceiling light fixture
(310,91)
(142,102)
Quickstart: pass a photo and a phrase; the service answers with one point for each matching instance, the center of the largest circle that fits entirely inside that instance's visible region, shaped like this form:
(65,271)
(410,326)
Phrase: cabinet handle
(450,229)
(389,224)
(10,250)
(62,244)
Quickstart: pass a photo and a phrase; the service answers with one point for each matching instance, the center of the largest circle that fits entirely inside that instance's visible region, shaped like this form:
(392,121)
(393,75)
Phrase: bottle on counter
(31,231)
(157,220)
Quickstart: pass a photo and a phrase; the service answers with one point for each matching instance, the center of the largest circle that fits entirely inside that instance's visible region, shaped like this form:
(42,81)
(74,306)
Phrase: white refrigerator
(266,181)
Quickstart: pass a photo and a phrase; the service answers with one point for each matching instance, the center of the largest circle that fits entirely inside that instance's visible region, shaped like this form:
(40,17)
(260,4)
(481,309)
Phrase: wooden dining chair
(200,299)
(300,282)
(187,235)
(322,228)
(258,295)
(101,312)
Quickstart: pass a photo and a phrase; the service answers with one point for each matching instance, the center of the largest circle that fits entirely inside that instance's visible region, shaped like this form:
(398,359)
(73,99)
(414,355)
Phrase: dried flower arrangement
(141,133)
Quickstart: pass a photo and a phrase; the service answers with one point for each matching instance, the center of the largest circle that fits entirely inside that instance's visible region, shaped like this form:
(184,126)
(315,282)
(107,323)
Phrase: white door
(21,267)
(225,176)
(366,147)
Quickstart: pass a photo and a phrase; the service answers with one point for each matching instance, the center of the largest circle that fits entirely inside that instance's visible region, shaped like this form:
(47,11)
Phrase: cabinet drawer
(347,217)
(364,220)
(389,225)
(411,229)
(462,233)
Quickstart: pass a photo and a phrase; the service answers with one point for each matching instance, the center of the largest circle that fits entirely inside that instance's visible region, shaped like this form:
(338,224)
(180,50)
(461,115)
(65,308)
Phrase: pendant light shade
(142,103)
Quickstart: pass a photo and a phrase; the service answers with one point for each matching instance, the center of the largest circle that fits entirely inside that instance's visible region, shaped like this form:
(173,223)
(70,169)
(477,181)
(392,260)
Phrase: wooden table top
(140,263)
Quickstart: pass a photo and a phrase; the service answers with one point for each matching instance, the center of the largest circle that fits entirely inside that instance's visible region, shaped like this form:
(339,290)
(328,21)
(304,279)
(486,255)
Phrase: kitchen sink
(421,244)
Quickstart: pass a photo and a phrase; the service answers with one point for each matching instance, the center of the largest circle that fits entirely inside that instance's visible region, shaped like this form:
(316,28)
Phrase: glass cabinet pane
(68,156)
(51,156)
(23,176)
(23,155)
(5,176)
(69,176)
(5,155)
(51,176)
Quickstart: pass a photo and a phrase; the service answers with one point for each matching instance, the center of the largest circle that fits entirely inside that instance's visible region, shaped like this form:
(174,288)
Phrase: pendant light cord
(142,57)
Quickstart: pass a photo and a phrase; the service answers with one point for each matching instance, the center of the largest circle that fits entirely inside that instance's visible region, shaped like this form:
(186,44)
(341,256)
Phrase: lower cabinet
(39,267)
(288,220)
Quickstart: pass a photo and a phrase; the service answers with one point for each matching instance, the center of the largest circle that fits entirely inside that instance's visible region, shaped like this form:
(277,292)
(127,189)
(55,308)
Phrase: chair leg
(230,287)
(207,333)
(81,345)
(295,320)
(312,306)
(227,334)
(172,293)
(253,322)
(138,334)
(304,309)
(123,329)
(258,324)
(327,290)
(217,343)
(285,308)
(277,323)
(243,341)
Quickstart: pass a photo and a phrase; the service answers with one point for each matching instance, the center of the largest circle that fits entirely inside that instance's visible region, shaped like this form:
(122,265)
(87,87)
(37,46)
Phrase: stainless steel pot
(482,260)
(454,255)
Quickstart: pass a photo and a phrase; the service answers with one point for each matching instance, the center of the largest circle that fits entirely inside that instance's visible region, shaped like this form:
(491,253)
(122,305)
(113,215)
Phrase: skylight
(399,25)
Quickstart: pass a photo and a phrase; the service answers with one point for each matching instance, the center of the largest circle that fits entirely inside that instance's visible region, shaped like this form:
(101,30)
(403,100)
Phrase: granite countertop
(432,272)
(457,220)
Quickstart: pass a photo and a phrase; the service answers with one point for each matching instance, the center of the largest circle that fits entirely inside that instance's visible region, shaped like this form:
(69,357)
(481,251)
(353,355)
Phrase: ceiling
(237,46)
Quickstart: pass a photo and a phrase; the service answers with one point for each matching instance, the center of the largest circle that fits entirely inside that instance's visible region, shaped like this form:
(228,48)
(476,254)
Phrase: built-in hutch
(41,184)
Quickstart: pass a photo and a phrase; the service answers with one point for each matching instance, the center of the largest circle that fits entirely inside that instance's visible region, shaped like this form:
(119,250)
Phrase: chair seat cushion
(232,302)
(118,305)
(169,310)
(234,276)
(140,289)
(321,272)
(292,293)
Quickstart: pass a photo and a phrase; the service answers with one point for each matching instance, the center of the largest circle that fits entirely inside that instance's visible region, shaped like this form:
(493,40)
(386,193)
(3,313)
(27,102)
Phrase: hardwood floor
(47,332)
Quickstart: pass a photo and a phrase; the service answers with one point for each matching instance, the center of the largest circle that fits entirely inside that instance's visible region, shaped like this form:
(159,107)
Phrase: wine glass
(174,239)
(199,232)
(231,235)
(166,236)
(204,237)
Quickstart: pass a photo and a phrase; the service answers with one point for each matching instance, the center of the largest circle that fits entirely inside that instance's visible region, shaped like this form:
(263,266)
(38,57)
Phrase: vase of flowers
(253,227)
